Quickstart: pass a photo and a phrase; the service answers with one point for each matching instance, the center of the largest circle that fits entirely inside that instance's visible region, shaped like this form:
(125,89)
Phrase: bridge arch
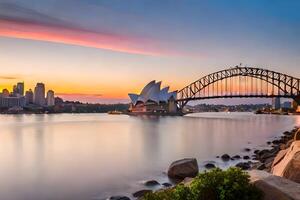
(273,84)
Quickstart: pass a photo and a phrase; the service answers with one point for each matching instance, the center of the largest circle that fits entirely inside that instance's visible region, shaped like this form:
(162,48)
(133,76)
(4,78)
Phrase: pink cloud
(90,98)
(74,36)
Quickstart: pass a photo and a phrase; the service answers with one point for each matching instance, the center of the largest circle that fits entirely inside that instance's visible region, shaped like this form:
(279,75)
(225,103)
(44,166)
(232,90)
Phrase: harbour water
(93,156)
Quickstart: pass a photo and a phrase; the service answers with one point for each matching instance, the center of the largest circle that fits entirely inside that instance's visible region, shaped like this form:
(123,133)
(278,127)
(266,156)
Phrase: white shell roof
(152,92)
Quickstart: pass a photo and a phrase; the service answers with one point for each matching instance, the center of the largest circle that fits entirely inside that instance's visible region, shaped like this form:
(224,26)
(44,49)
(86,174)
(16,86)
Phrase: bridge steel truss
(241,82)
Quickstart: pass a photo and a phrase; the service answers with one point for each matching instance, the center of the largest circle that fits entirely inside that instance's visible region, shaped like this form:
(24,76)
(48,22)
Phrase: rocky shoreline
(180,170)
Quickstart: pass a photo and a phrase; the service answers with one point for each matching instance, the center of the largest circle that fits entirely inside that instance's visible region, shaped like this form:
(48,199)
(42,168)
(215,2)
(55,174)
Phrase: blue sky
(92,47)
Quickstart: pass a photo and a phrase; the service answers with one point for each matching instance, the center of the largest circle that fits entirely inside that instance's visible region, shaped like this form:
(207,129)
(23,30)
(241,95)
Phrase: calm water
(92,156)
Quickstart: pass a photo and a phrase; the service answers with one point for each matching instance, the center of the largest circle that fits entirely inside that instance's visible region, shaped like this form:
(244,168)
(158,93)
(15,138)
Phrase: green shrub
(231,184)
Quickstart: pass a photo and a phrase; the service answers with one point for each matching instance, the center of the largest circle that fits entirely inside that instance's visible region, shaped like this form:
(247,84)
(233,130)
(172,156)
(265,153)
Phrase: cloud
(90,98)
(8,77)
(24,23)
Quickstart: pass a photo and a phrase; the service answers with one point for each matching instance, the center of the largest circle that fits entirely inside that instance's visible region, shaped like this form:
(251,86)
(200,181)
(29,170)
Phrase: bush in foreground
(231,184)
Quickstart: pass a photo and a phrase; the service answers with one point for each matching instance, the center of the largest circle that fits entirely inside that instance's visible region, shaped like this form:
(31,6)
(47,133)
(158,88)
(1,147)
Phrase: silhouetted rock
(141,193)
(167,184)
(236,157)
(247,149)
(243,165)
(246,157)
(119,198)
(225,157)
(181,169)
(209,166)
(151,183)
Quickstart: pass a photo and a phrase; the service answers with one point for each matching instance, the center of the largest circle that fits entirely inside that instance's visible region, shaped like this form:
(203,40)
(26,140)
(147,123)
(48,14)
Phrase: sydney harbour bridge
(241,82)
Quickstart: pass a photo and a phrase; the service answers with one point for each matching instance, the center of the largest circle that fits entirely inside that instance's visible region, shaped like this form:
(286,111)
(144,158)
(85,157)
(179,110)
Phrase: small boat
(115,112)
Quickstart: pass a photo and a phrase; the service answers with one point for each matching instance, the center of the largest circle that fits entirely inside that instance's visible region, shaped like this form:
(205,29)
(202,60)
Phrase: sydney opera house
(153,100)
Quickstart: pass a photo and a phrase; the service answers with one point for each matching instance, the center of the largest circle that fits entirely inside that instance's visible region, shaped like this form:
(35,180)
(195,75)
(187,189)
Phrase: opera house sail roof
(152,92)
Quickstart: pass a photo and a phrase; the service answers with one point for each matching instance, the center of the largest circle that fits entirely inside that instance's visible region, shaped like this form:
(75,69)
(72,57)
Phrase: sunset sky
(98,50)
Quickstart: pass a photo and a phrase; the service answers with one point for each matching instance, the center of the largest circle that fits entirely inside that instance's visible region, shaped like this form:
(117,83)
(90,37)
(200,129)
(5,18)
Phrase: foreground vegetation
(231,184)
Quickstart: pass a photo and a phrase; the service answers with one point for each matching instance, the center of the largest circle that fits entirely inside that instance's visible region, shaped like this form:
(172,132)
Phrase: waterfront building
(10,102)
(152,99)
(5,93)
(29,97)
(50,98)
(287,104)
(276,103)
(20,88)
(39,94)
(15,91)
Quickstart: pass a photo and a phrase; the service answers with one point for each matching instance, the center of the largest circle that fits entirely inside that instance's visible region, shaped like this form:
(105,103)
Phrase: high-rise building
(15,91)
(39,94)
(5,93)
(276,103)
(20,88)
(50,98)
(29,97)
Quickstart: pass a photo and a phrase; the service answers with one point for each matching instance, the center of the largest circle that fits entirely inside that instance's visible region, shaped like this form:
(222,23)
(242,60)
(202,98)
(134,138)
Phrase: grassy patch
(230,184)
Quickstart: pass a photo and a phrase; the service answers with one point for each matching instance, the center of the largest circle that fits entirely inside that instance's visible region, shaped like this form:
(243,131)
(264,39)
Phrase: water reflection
(95,155)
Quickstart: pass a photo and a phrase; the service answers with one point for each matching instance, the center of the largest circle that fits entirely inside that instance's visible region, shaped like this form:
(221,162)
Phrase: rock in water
(167,184)
(236,157)
(246,157)
(151,183)
(247,149)
(225,157)
(243,165)
(119,198)
(141,193)
(181,169)
(209,166)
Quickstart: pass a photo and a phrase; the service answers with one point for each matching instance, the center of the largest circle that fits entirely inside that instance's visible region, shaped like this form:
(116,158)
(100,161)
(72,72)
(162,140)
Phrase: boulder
(209,166)
(236,157)
(297,135)
(225,157)
(247,149)
(243,165)
(292,170)
(181,169)
(246,157)
(187,181)
(167,184)
(274,187)
(151,183)
(287,133)
(282,146)
(262,166)
(141,193)
(119,198)
(279,157)
(288,166)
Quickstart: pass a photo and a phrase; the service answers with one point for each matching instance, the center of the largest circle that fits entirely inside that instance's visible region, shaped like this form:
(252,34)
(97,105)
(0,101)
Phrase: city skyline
(103,52)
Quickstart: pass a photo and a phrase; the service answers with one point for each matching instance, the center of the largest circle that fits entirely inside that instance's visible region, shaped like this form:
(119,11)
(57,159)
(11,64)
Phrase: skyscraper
(39,94)
(276,103)
(29,96)
(20,88)
(50,98)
